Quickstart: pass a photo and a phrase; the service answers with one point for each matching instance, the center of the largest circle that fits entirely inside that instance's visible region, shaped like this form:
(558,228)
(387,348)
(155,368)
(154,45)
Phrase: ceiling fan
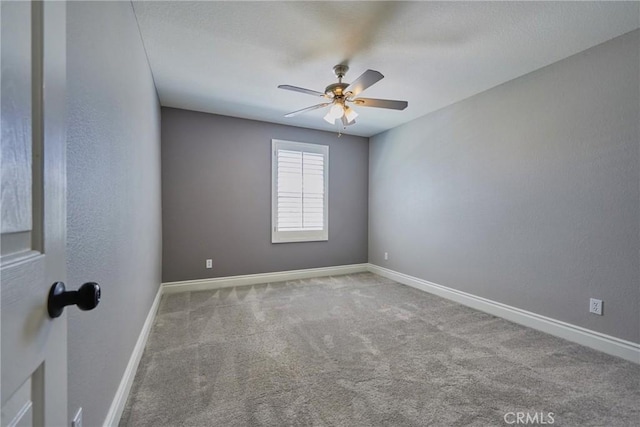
(339,94)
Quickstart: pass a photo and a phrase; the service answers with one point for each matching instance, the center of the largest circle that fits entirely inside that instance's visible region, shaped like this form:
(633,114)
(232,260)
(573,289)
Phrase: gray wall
(527,194)
(114,224)
(216,198)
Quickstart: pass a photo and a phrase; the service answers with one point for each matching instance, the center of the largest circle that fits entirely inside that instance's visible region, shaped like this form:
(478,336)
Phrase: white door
(32,209)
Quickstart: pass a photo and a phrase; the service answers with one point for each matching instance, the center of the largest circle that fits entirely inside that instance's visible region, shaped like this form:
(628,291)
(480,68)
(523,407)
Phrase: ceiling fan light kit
(341,93)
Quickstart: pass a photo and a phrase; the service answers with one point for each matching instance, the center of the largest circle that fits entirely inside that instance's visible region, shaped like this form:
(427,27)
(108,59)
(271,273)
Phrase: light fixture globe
(337,110)
(329,118)
(340,111)
(350,114)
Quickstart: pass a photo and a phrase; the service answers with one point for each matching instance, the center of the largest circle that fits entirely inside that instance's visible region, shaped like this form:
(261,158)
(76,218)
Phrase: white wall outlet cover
(209,263)
(386,255)
(77,419)
(595,306)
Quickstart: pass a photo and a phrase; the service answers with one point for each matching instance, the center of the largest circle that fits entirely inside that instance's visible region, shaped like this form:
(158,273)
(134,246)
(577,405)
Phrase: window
(299,177)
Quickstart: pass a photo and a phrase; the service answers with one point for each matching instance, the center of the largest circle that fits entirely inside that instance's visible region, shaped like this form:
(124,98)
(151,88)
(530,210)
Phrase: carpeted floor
(361,350)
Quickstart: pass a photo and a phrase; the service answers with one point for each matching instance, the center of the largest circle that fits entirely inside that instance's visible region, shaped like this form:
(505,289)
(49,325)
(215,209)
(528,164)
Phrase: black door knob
(86,298)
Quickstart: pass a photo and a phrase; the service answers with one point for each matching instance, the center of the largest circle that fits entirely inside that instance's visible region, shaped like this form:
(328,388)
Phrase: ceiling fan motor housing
(336,90)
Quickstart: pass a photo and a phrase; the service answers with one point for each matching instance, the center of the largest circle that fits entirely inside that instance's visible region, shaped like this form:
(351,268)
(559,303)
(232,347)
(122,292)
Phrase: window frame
(298,236)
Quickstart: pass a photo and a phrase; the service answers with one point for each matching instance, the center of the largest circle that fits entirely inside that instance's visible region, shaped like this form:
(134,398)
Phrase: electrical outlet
(386,256)
(595,306)
(77,419)
(209,263)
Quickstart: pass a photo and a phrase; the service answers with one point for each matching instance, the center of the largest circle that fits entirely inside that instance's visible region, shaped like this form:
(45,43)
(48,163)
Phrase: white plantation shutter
(299,191)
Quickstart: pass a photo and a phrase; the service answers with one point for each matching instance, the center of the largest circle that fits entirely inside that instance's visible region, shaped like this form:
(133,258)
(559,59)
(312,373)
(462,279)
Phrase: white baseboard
(120,399)
(605,343)
(254,279)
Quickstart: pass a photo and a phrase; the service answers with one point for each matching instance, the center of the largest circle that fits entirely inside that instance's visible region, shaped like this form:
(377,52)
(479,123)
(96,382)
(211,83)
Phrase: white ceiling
(229,57)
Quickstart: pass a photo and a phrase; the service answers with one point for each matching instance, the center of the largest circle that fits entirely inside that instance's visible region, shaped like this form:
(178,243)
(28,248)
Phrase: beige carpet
(360,350)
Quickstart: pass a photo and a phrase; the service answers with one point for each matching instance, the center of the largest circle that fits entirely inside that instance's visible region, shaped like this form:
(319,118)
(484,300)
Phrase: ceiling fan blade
(302,90)
(304,110)
(381,103)
(366,79)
